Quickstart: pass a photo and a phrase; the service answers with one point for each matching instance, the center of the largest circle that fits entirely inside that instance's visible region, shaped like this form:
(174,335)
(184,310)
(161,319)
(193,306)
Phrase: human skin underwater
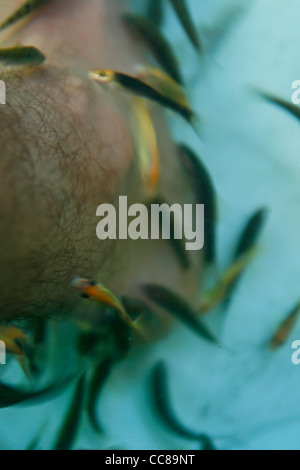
(129,344)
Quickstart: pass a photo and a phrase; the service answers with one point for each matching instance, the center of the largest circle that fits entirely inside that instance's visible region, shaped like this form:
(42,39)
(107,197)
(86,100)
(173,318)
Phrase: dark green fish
(284,331)
(40,331)
(158,44)
(21,56)
(250,233)
(178,307)
(183,14)
(37,353)
(177,245)
(205,194)
(69,430)
(155,11)
(138,87)
(247,243)
(30,6)
(290,107)
(98,380)
(160,392)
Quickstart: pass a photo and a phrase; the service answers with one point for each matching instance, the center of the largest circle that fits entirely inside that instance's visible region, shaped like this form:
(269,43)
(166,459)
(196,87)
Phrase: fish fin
(22,360)
(285,329)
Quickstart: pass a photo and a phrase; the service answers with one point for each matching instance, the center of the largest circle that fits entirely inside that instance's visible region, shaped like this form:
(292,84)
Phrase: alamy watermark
(296,93)
(296,354)
(157,221)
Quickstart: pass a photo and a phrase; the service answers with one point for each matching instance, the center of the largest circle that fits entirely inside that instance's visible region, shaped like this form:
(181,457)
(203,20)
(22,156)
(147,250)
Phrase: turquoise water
(240,394)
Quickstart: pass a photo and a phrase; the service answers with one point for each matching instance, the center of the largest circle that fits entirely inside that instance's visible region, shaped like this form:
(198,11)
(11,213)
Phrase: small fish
(69,430)
(223,288)
(186,20)
(164,84)
(144,136)
(155,11)
(176,244)
(137,87)
(13,338)
(97,292)
(251,232)
(29,7)
(21,56)
(18,344)
(290,107)
(178,307)
(285,329)
(161,396)
(157,43)
(205,194)
(247,243)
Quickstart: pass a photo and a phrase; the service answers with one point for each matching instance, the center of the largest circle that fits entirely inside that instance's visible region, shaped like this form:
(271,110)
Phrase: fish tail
(22,360)
(127,319)
(141,329)
(196,124)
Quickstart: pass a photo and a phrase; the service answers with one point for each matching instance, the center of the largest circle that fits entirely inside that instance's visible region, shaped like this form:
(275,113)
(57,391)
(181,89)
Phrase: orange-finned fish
(12,338)
(97,292)
(138,87)
(163,83)
(285,328)
(30,6)
(145,141)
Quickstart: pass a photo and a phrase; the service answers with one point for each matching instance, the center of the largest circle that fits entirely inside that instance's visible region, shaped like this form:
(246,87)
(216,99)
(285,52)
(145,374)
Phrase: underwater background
(242,396)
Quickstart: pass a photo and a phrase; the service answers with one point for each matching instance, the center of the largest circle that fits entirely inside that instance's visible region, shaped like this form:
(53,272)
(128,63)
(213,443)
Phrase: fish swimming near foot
(29,7)
(138,87)
(205,193)
(284,331)
(98,293)
(21,56)
(179,308)
(163,83)
(145,141)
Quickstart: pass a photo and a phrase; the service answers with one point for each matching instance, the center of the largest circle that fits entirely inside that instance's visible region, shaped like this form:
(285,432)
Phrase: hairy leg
(66,147)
